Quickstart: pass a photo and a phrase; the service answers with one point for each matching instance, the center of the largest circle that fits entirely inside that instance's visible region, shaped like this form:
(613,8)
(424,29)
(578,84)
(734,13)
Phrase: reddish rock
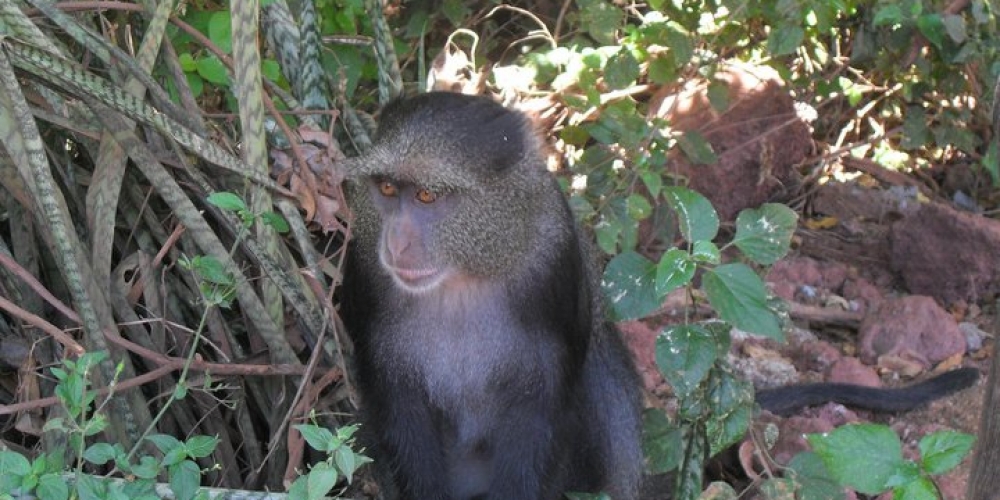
(788,277)
(913,328)
(818,356)
(758,140)
(791,436)
(862,294)
(947,254)
(641,340)
(852,371)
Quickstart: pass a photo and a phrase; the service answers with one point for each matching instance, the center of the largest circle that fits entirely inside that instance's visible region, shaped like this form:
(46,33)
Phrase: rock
(914,328)
(758,140)
(947,254)
(641,340)
(852,371)
(802,278)
(863,295)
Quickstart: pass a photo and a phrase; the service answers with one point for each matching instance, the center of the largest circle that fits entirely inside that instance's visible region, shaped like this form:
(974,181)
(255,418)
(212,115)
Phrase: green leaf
(615,228)
(731,399)
(346,432)
(175,456)
(322,478)
(270,69)
(696,148)
(696,217)
(276,221)
(692,466)
(653,182)
(90,488)
(661,441)
(906,473)
(915,133)
(739,296)
(704,251)
(630,285)
(775,488)
(346,461)
(815,482)
(211,270)
(662,70)
(455,11)
(299,488)
(52,486)
(148,468)
(785,40)
(227,201)
(639,207)
(622,70)
(165,442)
(95,425)
(932,27)
(13,464)
(99,453)
(718,95)
(991,162)
(54,424)
(765,234)
(887,15)
(920,489)
(212,69)
(200,446)
(867,472)
(943,450)
(954,25)
(38,466)
(185,479)
(674,270)
(220,30)
(320,438)
(601,20)
(187,63)
(195,82)
(685,354)
(29,482)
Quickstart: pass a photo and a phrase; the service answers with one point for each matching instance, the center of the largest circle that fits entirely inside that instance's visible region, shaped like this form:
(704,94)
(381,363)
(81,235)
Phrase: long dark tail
(786,400)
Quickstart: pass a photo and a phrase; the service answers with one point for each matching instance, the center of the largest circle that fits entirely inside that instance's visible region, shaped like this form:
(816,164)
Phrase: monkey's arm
(784,401)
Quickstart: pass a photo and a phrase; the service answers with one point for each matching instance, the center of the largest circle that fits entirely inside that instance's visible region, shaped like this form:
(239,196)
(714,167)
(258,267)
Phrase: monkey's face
(411,215)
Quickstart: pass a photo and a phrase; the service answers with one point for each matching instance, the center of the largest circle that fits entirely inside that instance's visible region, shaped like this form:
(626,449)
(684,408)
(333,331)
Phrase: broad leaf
(862,457)
(674,270)
(661,441)
(695,215)
(739,296)
(696,148)
(765,234)
(813,479)
(227,201)
(630,286)
(185,478)
(785,40)
(685,354)
(943,450)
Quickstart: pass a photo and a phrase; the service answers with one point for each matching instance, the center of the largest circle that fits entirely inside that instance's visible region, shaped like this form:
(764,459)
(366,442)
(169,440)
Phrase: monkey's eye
(425,196)
(387,189)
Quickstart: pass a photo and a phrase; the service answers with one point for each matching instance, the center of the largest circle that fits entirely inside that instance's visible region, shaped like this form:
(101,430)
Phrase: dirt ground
(892,277)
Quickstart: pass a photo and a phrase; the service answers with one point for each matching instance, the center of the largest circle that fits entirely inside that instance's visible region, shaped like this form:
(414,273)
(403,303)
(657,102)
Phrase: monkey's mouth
(417,279)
